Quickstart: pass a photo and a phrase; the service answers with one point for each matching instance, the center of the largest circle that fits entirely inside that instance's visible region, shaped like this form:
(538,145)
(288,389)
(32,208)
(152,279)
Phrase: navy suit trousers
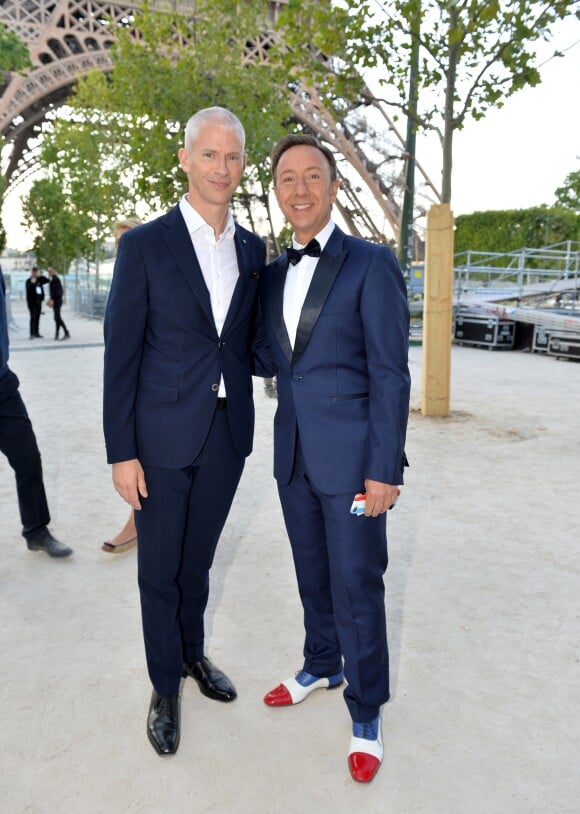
(340,560)
(178,528)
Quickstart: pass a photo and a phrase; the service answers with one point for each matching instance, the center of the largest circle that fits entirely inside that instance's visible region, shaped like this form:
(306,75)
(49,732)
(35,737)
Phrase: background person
(55,301)
(123,225)
(336,315)
(126,538)
(34,298)
(178,408)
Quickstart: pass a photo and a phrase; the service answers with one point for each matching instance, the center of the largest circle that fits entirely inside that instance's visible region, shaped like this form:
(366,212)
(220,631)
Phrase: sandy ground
(482,598)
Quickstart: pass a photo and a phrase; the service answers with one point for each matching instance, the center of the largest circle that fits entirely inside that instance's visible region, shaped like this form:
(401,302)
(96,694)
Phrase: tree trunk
(437,312)
(449,122)
(266,202)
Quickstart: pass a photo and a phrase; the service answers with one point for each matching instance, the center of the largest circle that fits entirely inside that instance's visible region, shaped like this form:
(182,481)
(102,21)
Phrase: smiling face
(214,164)
(304,190)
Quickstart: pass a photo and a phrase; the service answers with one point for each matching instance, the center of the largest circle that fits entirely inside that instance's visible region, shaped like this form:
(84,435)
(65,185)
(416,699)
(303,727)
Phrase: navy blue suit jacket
(345,386)
(163,356)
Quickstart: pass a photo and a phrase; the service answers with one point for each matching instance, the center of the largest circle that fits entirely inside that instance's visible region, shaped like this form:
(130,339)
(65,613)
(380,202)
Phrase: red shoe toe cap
(363,767)
(279,697)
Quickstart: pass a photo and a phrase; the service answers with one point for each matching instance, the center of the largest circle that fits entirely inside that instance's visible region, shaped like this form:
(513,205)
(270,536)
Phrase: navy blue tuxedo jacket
(345,386)
(163,355)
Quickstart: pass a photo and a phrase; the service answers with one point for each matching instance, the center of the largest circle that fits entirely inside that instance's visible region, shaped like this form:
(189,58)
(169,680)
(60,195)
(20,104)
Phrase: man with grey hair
(180,326)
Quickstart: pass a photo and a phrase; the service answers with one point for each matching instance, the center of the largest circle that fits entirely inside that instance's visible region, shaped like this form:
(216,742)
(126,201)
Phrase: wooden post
(437,311)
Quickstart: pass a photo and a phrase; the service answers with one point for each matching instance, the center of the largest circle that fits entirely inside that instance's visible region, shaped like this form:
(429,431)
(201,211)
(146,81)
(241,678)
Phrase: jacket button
(215,387)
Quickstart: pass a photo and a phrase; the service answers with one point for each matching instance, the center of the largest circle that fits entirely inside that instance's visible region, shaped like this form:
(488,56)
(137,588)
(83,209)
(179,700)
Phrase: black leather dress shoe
(163,723)
(43,540)
(212,682)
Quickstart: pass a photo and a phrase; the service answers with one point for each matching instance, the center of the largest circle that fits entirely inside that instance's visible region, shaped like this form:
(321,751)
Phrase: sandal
(119,548)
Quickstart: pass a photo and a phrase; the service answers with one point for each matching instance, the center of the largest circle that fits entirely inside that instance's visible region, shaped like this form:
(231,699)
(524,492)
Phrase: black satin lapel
(324,276)
(181,247)
(276,305)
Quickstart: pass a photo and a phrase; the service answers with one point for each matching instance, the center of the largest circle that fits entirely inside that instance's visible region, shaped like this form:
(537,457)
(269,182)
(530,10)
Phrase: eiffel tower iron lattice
(68,38)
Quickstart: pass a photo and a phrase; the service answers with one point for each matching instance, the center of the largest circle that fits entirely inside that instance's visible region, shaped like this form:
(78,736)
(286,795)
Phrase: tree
(568,195)
(61,233)
(171,65)
(473,55)
(73,208)
(13,52)
(125,128)
(13,57)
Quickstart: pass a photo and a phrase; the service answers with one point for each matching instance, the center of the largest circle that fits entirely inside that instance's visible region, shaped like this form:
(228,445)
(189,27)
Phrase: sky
(520,154)
(515,158)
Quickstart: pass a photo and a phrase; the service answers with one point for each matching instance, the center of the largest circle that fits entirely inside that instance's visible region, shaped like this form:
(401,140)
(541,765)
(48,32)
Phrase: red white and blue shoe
(365,753)
(296,689)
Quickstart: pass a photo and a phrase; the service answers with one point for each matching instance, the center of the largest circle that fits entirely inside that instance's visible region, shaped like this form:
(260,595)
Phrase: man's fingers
(129,481)
(375,509)
(129,494)
(141,485)
(380,497)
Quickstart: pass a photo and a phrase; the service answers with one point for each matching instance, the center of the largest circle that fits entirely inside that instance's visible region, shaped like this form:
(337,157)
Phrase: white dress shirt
(218,261)
(298,279)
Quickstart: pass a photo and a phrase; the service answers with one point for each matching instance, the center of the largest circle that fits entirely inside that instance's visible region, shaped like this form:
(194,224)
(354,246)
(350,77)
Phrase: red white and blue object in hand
(365,753)
(358,504)
(360,501)
(296,689)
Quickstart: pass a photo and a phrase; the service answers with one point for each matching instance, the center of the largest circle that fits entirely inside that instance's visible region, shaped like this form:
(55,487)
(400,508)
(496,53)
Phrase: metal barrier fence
(549,268)
(88,301)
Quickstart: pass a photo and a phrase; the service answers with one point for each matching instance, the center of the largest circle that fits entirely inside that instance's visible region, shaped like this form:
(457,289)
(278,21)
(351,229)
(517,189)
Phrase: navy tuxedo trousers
(178,528)
(340,560)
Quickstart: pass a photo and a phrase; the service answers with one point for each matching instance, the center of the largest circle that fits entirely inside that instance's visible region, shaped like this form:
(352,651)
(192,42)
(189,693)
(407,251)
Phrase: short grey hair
(213,115)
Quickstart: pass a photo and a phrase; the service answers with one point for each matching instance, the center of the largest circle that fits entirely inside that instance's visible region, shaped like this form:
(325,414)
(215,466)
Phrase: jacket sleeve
(385,319)
(124,328)
(262,362)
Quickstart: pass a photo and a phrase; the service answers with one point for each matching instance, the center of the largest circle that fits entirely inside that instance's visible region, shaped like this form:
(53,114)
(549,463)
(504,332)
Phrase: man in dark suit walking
(34,298)
(336,316)
(178,408)
(56,297)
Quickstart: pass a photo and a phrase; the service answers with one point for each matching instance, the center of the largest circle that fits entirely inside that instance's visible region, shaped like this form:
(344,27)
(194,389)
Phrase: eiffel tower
(68,38)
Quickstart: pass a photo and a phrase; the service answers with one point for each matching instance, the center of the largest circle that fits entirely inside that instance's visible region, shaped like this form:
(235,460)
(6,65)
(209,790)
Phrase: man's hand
(129,481)
(380,497)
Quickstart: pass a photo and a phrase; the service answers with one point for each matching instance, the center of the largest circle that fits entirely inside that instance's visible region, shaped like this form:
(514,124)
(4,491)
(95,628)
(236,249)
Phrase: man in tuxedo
(56,297)
(18,443)
(34,299)
(336,316)
(178,408)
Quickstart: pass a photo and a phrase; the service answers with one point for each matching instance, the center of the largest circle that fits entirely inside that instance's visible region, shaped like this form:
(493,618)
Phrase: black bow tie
(296,255)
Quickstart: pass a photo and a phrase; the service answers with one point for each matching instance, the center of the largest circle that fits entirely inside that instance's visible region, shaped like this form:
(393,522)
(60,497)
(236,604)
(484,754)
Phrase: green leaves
(13,52)
(510,230)
(71,210)
(177,65)
(60,232)
(568,195)
(118,144)
(473,54)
